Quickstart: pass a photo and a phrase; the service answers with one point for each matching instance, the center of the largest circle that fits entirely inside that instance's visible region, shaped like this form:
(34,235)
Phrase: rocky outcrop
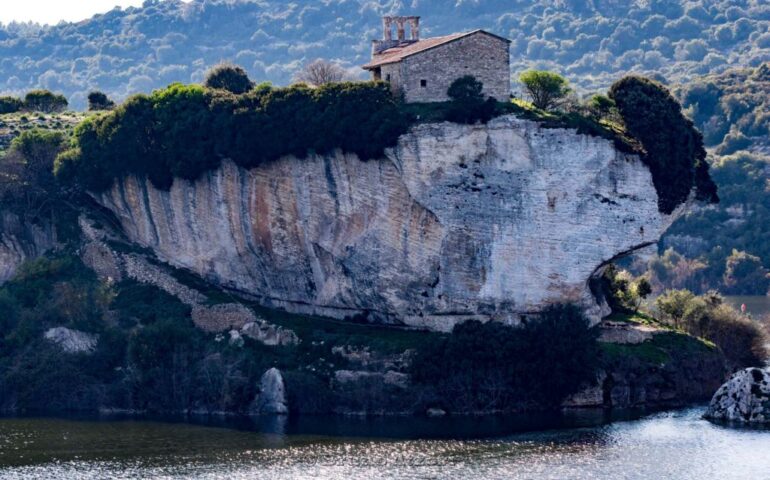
(269,334)
(488,221)
(21,240)
(745,398)
(272,394)
(72,341)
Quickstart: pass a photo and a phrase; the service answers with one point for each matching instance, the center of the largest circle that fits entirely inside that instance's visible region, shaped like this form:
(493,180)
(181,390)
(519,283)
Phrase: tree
(546,89)
(226,76)
(641,289)
(99,101)
(673,305)
(26,172)
(468,105)
(45,101)
(320,72)
(673,148)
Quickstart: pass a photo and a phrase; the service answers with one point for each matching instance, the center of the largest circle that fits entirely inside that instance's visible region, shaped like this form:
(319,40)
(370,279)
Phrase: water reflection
(676,445)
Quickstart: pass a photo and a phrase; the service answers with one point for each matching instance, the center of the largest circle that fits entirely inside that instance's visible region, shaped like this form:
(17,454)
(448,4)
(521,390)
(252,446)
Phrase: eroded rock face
(745,398)
(21,240)
(488,221)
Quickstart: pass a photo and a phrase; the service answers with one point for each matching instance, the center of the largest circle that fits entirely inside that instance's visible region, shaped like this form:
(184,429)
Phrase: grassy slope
(657,350)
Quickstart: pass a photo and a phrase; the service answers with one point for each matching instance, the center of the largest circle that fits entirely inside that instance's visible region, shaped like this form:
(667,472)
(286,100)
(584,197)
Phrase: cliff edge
(492,222)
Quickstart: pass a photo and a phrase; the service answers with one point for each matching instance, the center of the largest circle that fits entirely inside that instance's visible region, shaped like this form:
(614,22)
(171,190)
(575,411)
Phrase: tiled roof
(396,54)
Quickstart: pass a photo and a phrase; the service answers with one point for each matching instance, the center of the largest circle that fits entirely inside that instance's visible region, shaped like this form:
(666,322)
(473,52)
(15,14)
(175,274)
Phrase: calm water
(676,445)
(757,306)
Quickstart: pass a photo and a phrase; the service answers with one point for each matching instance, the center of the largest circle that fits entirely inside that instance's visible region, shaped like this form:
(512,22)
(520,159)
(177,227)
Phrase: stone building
(421,70)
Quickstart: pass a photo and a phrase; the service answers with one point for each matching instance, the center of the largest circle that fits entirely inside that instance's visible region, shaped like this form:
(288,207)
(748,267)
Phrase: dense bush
(183,131)
(10,105)
(673,147)
(26,171)
(468,104)
(742,340)
(152,358)
(622,291)
(492,366)
(99,101)
(44,101)
(228,77)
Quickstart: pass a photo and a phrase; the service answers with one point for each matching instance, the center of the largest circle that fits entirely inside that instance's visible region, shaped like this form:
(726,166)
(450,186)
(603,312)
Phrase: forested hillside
(726,246)
(592,42)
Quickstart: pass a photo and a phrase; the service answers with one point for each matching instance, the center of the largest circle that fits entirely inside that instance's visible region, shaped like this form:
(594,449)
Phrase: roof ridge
(398,53)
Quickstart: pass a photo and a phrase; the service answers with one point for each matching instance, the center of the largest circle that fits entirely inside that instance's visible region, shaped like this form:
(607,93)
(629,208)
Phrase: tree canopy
(229,77)
(673,147)
(44,101)
(547,90)
(99,101)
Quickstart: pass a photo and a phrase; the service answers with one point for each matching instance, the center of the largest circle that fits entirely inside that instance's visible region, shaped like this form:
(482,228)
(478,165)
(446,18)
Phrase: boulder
(268,334)
(745,398)
(272,394)
(72,341)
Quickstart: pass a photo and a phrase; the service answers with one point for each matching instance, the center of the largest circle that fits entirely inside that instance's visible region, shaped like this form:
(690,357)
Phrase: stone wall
(482,55)
(488,222)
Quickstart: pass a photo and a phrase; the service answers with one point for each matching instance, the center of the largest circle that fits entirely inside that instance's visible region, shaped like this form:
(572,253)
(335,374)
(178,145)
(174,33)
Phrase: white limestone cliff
(491,221)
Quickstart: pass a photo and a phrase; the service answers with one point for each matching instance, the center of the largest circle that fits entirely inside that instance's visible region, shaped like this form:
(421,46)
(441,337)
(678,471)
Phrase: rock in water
(272,394)
(745,398)
(72,341)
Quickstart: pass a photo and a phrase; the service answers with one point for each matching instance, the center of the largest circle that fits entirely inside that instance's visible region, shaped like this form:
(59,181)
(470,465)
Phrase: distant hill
(591,41)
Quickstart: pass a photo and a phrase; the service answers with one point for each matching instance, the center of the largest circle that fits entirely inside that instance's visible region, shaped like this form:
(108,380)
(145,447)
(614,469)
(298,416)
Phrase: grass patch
(646,352)
(639,318)
(660,349)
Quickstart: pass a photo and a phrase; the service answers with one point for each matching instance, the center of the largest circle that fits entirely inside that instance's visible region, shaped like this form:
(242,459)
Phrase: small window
(387,77)
(423,83)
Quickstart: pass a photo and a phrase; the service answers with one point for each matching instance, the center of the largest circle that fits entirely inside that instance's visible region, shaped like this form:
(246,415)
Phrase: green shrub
(99,101)
(146,305)
(491,366)
(742,340)
(602,107)
(44,101)
(26,171)
(183,131)
(468,104)
(228,77)
(673,147)
(10,105)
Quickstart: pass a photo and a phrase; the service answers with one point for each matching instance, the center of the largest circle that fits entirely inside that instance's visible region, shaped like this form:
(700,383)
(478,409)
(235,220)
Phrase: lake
(671,445)
(757,305)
